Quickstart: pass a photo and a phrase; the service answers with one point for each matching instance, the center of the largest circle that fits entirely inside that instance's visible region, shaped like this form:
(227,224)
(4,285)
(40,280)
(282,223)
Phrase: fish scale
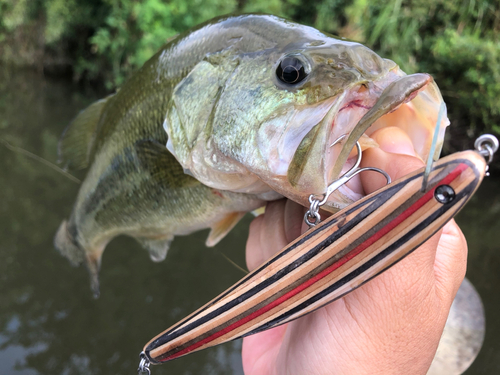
(191,140)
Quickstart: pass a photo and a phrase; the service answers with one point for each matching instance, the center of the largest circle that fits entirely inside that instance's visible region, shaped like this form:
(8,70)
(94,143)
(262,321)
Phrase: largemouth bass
(236,112)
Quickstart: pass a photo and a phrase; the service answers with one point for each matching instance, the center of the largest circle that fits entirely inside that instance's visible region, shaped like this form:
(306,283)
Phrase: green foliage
(326,15)
(134,30)
(470,68)
(455,41)
(283,8)
(12,14)
(106,40)
(59,18)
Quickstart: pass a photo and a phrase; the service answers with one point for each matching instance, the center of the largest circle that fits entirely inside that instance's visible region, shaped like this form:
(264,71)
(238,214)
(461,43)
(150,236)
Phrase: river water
(49,322)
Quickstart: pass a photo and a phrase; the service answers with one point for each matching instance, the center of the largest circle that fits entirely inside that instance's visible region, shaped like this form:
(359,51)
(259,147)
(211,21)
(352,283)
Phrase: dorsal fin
(76,143)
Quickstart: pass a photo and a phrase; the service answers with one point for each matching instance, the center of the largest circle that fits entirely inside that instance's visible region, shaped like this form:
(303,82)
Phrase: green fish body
(237,112)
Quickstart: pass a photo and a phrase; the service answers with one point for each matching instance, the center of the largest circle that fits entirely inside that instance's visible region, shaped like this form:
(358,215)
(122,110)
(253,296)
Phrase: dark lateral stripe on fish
(349,252)
(109,179)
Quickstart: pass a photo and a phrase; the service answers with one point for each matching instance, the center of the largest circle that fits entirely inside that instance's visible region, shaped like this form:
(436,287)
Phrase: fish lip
(318,164)
(383,105)
(367,106)
(374,111)
(312,170)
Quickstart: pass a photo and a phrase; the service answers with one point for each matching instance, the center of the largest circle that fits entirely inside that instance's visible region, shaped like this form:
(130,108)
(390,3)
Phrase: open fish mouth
(287,151)
(398,102)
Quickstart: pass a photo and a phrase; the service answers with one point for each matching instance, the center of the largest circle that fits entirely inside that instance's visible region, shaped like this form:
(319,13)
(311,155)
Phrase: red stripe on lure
(398,220)
(331,259)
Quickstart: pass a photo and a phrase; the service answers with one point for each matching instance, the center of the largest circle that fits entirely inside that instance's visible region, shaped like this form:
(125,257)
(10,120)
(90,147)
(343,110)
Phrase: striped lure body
(330,260)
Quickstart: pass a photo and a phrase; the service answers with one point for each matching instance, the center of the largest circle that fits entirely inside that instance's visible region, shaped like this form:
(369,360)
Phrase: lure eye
(291,70)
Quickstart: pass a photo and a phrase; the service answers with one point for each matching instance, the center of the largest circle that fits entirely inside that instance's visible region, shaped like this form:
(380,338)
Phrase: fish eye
(291,70)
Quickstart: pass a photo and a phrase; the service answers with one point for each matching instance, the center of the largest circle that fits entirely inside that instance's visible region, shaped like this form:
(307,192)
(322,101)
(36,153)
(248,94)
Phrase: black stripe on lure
(334,256)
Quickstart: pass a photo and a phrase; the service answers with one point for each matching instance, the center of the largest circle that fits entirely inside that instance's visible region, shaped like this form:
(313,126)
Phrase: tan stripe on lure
(332,258)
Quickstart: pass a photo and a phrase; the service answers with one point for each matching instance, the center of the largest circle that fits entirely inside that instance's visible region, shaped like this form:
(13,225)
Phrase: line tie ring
(144,365)
(486,145)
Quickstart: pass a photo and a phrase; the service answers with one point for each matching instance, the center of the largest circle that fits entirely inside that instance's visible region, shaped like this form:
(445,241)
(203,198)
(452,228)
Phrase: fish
(236,112)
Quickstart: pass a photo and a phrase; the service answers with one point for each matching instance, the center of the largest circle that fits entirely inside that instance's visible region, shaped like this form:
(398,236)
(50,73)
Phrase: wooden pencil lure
(334,257)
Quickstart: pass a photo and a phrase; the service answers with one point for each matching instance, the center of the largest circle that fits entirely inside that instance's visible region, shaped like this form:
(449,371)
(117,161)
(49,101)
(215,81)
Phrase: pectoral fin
(157,247)
(259,211)
(223,227)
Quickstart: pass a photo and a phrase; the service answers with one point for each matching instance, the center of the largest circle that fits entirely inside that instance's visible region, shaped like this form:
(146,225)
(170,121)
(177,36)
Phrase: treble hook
(315,203)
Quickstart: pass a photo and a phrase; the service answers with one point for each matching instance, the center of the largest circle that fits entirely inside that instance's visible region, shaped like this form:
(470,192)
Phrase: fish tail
(66,243)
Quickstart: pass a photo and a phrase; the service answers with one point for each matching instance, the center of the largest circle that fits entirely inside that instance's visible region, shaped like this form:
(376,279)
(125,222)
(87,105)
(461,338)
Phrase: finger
(259,351)
(394,157)
(451,261)
(294,219)
(272,233)
(266,234)
(254,254)
(395,141)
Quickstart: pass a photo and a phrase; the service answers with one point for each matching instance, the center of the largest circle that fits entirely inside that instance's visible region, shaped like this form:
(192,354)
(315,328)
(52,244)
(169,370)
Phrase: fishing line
(232,262)
(430,158)
(40,159)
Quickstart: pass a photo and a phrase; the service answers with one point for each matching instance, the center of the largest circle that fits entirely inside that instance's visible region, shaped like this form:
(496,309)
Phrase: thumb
(395,155)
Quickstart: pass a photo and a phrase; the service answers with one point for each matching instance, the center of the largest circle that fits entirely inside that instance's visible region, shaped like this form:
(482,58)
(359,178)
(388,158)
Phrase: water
(49,322)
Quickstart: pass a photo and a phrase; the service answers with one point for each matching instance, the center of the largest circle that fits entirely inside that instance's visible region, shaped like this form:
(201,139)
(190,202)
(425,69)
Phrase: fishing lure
(334,256)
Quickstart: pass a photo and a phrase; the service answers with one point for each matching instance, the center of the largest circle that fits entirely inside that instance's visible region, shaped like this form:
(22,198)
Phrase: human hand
(392,324)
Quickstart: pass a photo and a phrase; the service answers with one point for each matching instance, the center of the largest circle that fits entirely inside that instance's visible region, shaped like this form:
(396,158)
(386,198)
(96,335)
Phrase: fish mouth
(410,103)
(288,152)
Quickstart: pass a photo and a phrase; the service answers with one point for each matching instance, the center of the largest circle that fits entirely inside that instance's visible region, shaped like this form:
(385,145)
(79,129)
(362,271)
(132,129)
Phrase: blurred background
(58,56)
